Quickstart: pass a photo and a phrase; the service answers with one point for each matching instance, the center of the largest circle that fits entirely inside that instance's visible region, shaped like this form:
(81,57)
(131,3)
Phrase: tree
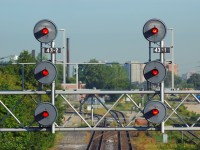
(23,107)
(26,57)
(168,80)
(92,74)
(101,76)
(195,80)
(116,78)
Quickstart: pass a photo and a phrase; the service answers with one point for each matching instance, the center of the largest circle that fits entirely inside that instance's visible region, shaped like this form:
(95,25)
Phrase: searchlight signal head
(45,72)
(154,30)
(45,114)
(155,111)
(155,72)
(45,31)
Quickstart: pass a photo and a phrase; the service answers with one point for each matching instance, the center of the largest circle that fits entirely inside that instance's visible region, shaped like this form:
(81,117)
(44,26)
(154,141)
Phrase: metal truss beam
(59,129)
(127,127)
(69,92)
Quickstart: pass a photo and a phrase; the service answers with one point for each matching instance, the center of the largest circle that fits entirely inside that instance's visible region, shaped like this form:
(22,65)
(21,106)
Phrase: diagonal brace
(75,110)
(109,110)
(11,113)
(174,110)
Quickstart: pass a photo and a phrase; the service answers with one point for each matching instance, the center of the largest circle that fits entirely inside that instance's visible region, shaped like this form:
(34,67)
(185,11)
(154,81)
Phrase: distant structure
(187,75)
(135,71)
(169,68)
(33,53)
(12,58)
(73,86)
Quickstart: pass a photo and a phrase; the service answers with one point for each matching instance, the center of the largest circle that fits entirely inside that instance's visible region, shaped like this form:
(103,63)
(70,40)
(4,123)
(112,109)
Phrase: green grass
(154,142)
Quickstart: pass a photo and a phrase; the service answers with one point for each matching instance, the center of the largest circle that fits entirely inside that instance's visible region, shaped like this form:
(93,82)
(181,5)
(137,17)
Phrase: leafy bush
(23,106)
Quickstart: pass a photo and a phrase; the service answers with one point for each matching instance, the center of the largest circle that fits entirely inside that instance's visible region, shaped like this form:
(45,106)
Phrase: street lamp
(172,51)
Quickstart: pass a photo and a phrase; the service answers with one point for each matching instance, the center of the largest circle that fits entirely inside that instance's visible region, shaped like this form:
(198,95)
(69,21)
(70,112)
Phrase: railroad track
(95,142)
(124,138)
(191,135)
(96,139)
(111,140)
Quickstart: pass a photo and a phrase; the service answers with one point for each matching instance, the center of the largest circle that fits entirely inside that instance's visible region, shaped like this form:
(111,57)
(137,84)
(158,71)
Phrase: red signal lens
(45,31)
(155,112)
(45,114)
(155,72)
(154,30)
(45,72)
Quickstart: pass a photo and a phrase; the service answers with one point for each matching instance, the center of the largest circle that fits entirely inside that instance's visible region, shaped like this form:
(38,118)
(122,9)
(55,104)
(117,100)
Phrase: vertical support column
(172,59)
(148,83)
(76,76)
(23,77)
(40,84)
(41,52)
(68,58)
(130,75)
(64,59)
(92,110)
(149,51)
(162,85)
(53,85)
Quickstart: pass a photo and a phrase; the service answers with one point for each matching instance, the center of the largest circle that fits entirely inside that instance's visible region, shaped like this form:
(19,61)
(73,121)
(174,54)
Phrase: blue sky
(104,29)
